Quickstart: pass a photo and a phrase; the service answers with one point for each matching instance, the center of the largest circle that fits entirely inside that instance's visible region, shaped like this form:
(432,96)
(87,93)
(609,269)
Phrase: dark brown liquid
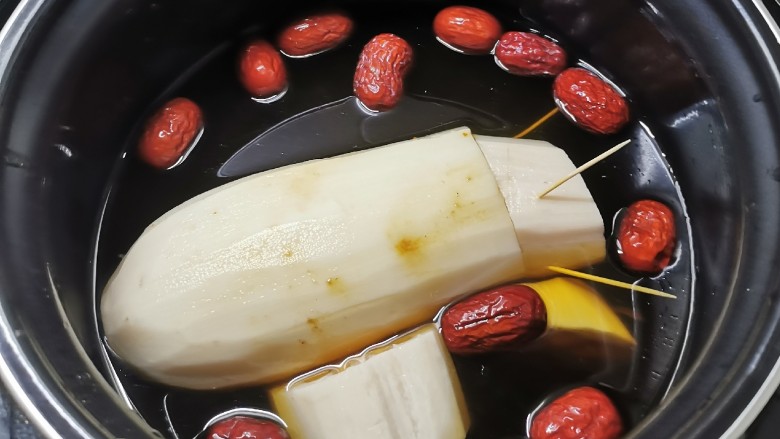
(318,118)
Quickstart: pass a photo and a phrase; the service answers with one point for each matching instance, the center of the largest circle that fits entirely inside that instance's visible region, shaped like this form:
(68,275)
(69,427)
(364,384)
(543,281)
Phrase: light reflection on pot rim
(772,382)
(19,377)
(14,367)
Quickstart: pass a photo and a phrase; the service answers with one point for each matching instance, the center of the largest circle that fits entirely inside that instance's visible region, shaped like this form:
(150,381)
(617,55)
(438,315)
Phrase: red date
(315,34)
(467,29)
(583,413)
(262,70)
(646,237)
(379,76)
(170,132)
(590,102)
(244,427)
(527,54)
(498,319)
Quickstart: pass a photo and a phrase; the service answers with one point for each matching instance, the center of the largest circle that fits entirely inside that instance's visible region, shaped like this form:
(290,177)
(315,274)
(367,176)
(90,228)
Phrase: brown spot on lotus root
(314,324)
(409,246)
(336,285)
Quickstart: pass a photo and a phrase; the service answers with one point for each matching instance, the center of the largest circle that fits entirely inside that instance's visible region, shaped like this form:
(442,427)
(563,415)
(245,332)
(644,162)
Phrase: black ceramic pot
(76,76)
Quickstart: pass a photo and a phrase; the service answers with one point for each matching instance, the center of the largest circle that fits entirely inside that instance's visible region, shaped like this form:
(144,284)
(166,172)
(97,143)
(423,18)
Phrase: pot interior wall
(91,70)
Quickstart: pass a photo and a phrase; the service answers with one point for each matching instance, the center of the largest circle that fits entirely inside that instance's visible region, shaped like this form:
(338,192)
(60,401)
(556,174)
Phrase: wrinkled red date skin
(590,102)
(527,54)
(500,319)
(261,69)
(583,413)
(169,133)
(646,237)
(315,34)
(244,427)
(379,76)
(467,29)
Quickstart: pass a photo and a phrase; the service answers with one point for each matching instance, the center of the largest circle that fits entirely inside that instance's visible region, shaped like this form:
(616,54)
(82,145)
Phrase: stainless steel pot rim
(18,375)
(16,372)
(13,365)
(772,382)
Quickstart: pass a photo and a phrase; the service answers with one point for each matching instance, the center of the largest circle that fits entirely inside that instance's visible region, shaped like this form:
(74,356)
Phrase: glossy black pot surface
(77,78)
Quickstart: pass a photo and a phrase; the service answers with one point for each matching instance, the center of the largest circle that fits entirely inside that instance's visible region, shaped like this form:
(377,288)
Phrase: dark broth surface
(319,118)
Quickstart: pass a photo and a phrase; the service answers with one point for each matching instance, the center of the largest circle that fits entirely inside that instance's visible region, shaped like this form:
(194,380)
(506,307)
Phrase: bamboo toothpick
(536,124)
(582,168)
(611,282)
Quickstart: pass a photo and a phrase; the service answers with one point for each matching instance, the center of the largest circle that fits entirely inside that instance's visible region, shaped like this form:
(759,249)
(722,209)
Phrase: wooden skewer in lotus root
(585,166)
(579,170)
(538,123)
(611,282)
